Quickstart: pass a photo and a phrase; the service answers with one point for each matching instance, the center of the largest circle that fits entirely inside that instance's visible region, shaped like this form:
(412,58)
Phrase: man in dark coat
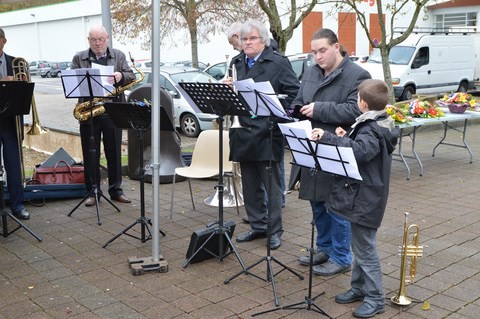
(10,144)
(251,145)
(328,97)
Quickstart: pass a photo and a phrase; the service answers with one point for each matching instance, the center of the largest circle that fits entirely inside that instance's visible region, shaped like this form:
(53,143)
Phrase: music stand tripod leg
(268,258)
(94,191)
(220,229)
(308,303)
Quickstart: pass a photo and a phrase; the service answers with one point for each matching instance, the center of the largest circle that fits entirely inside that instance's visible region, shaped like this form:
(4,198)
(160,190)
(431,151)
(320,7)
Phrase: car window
(194,76)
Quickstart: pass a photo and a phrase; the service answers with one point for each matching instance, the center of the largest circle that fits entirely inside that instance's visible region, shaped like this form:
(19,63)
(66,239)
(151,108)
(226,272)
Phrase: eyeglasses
(252,39)
(100,40)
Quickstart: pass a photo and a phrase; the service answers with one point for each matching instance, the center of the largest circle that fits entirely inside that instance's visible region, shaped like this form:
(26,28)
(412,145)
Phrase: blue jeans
(333,234)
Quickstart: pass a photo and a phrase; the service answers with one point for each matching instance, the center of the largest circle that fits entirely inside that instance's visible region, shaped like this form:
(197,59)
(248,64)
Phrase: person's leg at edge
(341,240)
(112,144)
(323,224)
(254,196)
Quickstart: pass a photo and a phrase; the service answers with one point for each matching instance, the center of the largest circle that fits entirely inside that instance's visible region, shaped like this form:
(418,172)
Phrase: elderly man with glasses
(252,145)
(100,53)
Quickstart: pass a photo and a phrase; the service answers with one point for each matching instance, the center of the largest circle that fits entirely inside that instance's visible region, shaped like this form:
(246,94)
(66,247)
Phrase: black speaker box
(200,236)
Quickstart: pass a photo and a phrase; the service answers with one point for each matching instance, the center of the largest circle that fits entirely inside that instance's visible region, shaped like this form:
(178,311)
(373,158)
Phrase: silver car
(190,122)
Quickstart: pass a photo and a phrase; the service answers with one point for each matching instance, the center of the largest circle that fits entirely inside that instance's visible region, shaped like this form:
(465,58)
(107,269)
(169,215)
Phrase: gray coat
(335,98)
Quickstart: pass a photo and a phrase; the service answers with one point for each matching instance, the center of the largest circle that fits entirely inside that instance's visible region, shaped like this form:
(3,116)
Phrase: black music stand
(138,117)
(15,100)
(306,155)
(263,105)
(86,83)
(219,99)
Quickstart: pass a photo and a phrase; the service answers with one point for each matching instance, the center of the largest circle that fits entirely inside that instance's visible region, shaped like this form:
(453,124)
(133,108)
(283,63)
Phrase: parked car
(43,67)
(359,59)
(34,65)
(190,122)
(55,69)
(300,62)
(202,66)
(217,70)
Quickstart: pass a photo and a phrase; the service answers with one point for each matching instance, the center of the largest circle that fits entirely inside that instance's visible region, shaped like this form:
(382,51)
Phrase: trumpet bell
(236,122)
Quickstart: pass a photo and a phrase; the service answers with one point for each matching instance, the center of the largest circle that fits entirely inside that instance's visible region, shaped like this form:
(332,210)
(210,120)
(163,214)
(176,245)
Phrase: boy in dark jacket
(373,138)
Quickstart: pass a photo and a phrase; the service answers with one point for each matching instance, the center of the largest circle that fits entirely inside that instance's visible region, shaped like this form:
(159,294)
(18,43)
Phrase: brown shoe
(90,201)
(122,199)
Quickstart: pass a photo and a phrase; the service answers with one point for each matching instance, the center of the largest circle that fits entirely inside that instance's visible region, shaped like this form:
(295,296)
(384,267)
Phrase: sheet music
(298,138)
(332,162)
(105,70)
(76,85)
(264,106)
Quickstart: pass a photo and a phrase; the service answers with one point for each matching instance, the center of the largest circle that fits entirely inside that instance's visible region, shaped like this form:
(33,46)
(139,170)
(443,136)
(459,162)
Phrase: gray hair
(248,26)
(234,30)
(2,34)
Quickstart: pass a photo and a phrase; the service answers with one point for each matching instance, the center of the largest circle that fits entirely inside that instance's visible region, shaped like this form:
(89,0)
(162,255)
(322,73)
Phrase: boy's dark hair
(374,93)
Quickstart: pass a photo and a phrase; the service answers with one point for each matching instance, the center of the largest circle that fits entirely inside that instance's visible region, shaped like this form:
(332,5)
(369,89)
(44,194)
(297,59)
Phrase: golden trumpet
(412,251)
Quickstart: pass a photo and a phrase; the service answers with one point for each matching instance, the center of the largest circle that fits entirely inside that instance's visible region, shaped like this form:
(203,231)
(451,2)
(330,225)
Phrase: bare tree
(201,18)
(296,8)
(395,9)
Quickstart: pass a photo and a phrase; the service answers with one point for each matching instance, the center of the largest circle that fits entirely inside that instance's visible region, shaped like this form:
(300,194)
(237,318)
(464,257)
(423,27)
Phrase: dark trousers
(255,181)
(103,128)
(11,155)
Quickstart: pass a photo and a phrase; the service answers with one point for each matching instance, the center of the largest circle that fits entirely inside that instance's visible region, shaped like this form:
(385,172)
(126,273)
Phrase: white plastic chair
(205,161)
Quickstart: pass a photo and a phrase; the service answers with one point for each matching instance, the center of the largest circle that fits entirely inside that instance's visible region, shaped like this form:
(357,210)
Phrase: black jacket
(252,142)
(373,142)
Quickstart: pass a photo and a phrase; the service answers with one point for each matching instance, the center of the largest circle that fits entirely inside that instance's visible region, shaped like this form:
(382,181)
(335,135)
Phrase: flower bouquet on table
(398,115)
(421,109)
(458,102)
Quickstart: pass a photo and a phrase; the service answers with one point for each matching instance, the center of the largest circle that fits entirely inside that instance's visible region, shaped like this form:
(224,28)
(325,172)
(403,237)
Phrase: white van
(427,63)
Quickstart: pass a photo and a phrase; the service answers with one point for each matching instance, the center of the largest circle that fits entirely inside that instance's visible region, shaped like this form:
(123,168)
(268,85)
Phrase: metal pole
(155,127)
(107,19)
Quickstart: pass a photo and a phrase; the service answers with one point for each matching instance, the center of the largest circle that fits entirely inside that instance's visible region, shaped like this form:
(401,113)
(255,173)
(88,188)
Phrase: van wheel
(190,126)
(49,75)
(463,87)
(408,93)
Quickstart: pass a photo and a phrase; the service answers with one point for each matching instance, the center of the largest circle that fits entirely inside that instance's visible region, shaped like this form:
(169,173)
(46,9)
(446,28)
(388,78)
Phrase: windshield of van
(398,55)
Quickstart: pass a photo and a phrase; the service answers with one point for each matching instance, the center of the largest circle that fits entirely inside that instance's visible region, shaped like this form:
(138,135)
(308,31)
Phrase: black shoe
(275,241)
(348,297)
(319,257)
(366,310)
(22,214)
(249,235)
(330,268)
(245,220)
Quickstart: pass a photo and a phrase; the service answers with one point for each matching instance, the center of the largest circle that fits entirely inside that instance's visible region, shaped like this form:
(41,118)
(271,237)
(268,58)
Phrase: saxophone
(82,110)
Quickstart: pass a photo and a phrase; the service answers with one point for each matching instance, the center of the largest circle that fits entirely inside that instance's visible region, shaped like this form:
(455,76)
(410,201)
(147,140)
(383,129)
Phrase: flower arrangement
(459,98)
(458,102)
(398,115)
(421,109)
